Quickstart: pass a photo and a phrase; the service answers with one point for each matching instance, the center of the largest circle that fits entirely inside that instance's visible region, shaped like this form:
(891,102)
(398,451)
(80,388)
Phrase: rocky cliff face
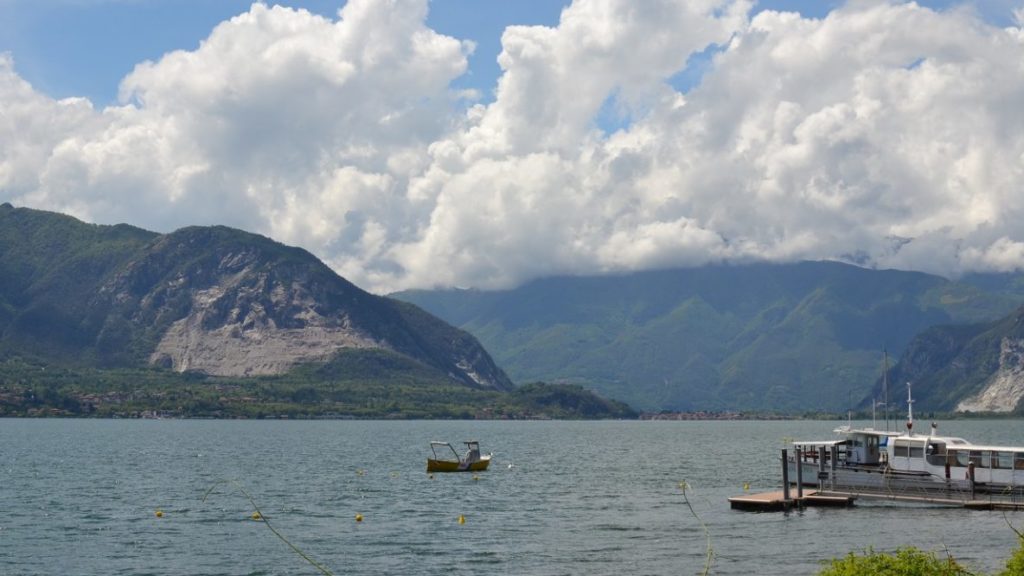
(247,325)
(1004,390)
(236,304)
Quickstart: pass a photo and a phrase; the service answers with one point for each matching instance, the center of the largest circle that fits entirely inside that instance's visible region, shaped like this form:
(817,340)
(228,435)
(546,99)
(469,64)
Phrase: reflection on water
(80,496)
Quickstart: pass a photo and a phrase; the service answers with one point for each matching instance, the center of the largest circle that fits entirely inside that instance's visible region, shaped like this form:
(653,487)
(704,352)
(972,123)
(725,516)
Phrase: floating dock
(779,501)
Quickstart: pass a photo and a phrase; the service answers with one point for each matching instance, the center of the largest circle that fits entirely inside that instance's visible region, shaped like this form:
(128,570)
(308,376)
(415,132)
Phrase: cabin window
(1003,460)
(907,449)
(936,452)
(977,459)
(1018,461)
(960,458)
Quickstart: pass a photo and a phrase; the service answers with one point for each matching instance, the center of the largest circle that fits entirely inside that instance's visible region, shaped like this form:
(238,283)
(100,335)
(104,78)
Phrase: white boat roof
(868,431)
(952,442)
(968,446)
(826,443)
(958,443)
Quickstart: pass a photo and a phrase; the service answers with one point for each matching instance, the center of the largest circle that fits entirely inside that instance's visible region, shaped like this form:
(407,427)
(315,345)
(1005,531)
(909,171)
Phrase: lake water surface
(80,497)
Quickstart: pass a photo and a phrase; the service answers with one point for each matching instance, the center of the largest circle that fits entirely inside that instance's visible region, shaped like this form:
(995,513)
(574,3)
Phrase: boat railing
(928,488)
(435,444)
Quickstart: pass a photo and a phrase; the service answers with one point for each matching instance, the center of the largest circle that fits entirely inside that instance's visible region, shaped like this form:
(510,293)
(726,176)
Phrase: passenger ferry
(869,458)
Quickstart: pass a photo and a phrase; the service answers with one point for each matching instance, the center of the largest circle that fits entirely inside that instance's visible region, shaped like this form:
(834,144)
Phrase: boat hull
(453,466)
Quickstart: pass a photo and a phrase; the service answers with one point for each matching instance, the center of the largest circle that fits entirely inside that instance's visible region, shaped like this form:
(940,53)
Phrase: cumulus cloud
(885,133)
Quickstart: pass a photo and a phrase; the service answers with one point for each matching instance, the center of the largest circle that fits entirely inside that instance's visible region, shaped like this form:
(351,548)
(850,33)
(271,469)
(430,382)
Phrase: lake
(80,497)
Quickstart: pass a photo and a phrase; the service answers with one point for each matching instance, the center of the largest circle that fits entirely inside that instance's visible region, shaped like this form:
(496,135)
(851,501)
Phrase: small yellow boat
(473,461)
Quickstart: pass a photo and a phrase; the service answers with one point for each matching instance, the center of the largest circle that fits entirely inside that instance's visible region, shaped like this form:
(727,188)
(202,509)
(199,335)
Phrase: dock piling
(799,474)
(970,478)
(822,475)
(785,475)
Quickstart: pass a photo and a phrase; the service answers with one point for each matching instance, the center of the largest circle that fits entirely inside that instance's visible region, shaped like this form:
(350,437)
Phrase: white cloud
(886,133)
(1003,255)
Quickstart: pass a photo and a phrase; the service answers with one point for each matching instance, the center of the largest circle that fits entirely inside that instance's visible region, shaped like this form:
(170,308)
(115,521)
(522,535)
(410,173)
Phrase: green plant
(907,561)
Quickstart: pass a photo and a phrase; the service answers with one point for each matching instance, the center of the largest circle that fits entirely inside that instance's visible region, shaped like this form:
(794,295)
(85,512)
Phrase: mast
(885,386)
(910,411)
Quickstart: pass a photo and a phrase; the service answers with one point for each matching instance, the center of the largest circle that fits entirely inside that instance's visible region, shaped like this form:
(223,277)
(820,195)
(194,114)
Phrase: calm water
(79,497)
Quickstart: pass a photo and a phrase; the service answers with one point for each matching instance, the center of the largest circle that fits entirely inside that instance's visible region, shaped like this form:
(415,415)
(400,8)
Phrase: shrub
(1015,565)
(907,561)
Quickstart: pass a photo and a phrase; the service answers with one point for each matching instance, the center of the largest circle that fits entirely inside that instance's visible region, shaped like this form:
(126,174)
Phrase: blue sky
(623,135)
(85,47)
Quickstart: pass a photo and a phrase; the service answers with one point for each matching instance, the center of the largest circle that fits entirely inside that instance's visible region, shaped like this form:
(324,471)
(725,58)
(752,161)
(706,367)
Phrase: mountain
(207,300)
(786,337)
(215,321)
(965,368)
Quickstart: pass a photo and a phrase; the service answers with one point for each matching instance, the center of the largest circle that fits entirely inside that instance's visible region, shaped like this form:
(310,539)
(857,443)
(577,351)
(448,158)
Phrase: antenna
(910,411)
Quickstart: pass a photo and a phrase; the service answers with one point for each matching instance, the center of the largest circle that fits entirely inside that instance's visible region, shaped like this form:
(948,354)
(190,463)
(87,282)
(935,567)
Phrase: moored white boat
(869,458)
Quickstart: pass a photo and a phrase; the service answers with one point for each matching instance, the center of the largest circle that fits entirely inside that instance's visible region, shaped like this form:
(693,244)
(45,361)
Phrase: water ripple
(80,496)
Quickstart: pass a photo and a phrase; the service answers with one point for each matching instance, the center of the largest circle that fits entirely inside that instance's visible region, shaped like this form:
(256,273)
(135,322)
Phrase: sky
(484,143)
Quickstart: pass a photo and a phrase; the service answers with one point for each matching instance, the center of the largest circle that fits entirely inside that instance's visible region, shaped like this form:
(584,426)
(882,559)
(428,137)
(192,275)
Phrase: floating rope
(707,533)
(258,515)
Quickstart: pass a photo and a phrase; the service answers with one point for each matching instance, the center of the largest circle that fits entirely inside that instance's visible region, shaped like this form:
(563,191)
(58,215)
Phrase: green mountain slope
(780,337)
(50,266)
(208,300)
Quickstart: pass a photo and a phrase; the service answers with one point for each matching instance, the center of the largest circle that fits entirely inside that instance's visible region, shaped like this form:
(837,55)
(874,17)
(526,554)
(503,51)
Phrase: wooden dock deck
(776,501)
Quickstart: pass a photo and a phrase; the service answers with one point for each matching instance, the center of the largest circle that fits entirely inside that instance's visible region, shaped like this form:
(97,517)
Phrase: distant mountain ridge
(785,337)
(212,300)
(119,306)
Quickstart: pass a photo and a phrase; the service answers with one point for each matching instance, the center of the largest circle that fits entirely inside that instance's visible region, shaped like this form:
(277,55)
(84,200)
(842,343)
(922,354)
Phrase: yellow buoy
(359,517)
(475,477)
(257,516)
(462,519)
(159,513)
(746,486)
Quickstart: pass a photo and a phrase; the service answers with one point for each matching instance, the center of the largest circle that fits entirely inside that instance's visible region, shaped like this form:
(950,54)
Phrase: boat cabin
(866,447)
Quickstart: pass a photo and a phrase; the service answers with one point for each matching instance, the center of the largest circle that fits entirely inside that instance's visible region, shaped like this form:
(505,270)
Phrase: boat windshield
(435,446)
